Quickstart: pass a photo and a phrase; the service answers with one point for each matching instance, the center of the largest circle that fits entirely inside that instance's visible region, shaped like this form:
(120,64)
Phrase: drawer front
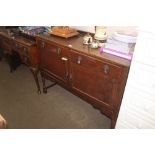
(101,67)
(24,50)
(17,47)
(51,49)
(83,60)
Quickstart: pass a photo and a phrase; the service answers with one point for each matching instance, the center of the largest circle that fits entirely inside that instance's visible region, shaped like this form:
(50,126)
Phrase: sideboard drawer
(109,70)
(101,67)
(17,47)
(51,49)
(22,49)
(83,60)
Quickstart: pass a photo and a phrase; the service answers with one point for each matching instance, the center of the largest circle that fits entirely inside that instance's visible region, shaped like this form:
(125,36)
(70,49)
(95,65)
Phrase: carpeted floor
(23,108)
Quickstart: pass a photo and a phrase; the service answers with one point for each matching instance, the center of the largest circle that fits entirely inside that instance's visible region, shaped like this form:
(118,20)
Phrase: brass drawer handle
(25,59)
(106,69)
(25,49)
(42,45)
(66,75)
(58,51)
(79,60)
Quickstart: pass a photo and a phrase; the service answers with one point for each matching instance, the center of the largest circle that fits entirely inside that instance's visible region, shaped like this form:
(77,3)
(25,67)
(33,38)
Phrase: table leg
(35,71)
(44,85)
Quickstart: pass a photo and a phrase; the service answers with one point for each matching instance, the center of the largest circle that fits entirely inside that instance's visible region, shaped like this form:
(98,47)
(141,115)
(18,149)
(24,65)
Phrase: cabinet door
(95,80)
(54,61)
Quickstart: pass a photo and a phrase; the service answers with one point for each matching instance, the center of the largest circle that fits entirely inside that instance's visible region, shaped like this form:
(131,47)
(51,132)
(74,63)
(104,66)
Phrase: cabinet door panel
(52,61)
(93,84)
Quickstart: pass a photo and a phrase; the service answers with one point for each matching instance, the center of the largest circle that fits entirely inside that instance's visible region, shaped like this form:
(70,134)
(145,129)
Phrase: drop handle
(79,60)
(66,75)
(58,51)
(70,77)
(106,69)
(25,49)
(42,45)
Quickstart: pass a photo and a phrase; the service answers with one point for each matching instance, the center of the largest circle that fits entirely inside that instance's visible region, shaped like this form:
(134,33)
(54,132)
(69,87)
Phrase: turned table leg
(35,71)
(44,85)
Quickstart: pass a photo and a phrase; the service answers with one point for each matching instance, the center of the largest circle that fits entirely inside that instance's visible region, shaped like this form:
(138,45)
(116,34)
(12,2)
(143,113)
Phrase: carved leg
(44,85)
(35,71)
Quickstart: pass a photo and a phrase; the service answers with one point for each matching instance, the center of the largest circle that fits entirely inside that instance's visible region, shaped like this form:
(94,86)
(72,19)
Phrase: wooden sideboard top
(76,43)
(19,39)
